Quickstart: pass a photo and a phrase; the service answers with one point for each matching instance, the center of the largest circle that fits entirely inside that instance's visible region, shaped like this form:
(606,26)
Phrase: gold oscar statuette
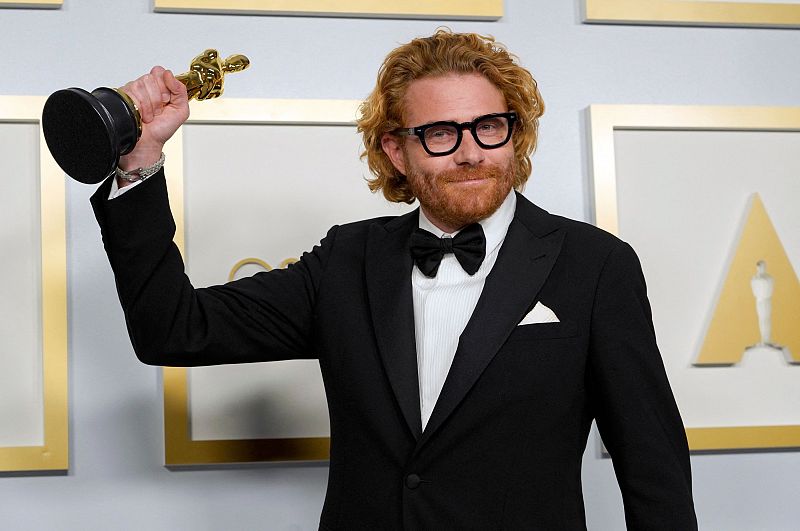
(87,133)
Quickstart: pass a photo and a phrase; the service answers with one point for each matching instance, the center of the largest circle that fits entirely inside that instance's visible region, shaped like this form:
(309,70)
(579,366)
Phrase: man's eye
(439,133)
(489,126)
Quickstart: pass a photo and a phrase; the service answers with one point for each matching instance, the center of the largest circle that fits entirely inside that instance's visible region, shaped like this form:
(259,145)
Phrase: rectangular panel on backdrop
(33,320)
(737,13)
(254,184)
(432,9)
(708,198)
(46,4)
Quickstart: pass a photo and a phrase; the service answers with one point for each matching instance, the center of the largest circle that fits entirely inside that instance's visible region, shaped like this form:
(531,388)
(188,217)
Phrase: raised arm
(265,317)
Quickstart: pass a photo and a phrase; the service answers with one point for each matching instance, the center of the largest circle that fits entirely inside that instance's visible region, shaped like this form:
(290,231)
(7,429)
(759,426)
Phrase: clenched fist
(164,106)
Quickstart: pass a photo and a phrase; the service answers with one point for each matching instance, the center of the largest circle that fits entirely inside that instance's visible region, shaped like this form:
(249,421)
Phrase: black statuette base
(87,133)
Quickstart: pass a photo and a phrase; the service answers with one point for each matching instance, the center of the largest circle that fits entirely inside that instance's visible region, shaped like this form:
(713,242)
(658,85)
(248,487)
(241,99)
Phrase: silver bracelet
(140,174)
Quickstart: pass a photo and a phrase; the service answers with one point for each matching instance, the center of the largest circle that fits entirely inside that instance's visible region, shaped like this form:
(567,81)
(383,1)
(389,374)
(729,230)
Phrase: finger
(158,73)
(176,88)
(137,91)
(151,85)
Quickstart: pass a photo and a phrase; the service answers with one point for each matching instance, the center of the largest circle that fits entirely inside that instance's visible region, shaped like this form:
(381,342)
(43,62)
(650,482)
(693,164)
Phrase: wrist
(141,157)
(140,173)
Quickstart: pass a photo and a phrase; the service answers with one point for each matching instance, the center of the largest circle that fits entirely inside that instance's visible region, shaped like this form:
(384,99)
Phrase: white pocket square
(540,314)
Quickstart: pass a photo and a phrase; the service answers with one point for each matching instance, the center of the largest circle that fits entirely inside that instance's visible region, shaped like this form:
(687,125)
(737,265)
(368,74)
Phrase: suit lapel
(526,258)
(388,275)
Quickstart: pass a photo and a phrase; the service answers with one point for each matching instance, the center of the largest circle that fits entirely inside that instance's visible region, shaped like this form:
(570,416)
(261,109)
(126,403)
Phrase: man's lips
(468,180)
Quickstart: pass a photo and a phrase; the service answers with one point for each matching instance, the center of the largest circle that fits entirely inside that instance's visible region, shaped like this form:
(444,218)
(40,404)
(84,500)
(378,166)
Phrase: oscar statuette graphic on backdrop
(87,133)
(754,321)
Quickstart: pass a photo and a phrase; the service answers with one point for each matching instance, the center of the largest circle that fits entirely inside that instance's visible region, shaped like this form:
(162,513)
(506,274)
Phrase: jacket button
(412,481)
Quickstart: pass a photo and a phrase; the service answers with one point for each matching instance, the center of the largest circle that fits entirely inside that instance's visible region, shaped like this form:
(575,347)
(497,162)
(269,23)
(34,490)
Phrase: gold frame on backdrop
(44,4)
(54,453)
(433,9)
(692,13)
(604,120)
(180,448)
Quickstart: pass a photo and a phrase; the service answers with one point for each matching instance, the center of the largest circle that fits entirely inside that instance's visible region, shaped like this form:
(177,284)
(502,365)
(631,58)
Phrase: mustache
(469,173)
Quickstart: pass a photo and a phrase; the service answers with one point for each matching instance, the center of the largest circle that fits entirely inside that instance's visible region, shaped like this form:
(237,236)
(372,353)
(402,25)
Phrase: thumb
(176,88)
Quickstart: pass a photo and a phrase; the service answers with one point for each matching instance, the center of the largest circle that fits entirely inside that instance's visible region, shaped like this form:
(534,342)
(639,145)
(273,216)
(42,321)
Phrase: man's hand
(164,106)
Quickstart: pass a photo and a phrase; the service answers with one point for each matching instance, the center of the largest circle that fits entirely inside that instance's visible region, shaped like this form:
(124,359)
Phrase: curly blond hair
(441,54)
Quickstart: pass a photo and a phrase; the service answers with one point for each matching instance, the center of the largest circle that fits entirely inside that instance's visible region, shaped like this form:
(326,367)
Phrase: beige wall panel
(771,13)
(683,197)
(21,401)
(33,307)
(677,183)
(48,4)
(266,190)
(439,9)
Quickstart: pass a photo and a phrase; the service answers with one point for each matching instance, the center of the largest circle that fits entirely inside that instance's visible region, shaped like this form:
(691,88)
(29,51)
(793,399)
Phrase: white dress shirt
(443,304)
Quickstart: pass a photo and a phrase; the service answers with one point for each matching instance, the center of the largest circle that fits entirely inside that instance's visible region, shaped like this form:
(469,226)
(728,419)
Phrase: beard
(444,200)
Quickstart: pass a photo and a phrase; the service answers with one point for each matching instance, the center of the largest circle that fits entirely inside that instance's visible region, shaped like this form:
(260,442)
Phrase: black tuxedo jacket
(503,447)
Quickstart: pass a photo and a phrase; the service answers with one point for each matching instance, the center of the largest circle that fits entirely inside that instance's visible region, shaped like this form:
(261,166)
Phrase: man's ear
(394,150)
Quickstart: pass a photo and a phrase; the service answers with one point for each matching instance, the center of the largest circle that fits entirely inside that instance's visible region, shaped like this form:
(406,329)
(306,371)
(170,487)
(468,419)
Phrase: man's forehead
(454,97)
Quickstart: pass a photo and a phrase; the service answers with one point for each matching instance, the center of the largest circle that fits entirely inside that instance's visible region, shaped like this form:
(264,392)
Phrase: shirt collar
(495,226)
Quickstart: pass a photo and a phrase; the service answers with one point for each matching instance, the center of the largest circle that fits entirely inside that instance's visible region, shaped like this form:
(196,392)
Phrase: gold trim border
(431,9)
(692,13)
(603,121)
(179,448)
(38,4)
(54,453)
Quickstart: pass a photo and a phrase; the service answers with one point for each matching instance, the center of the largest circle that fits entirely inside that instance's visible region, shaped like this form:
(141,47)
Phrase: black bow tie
(469,247)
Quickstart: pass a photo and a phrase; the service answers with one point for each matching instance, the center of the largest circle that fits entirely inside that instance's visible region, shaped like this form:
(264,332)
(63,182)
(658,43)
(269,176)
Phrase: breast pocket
(530,332)
(543,361)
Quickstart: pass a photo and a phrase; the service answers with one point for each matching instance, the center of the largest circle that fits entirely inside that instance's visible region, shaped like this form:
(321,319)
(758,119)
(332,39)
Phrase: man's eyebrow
(475,117)
(436,122)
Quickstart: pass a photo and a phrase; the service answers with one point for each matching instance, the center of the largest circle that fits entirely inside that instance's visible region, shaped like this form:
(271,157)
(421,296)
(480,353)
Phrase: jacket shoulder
(588,235)
(360,229)
(578,234)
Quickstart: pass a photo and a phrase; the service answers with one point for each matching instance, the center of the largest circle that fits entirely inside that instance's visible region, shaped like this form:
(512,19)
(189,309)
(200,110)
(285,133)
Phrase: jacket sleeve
(260,318)
(634,406)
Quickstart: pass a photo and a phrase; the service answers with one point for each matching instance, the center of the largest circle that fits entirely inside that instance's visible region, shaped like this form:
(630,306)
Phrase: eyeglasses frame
(419,132)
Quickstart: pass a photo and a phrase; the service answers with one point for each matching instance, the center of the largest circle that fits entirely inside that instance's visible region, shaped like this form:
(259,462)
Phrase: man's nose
(469,152)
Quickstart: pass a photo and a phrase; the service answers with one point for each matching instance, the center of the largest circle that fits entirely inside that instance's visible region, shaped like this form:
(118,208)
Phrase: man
(462,373)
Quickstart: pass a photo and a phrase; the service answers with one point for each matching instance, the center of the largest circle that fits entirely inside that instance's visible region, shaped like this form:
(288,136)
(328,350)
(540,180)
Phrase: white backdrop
(116,479)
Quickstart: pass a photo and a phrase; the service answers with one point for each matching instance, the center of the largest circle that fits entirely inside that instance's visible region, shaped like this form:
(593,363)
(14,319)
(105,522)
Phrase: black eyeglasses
(443,138)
